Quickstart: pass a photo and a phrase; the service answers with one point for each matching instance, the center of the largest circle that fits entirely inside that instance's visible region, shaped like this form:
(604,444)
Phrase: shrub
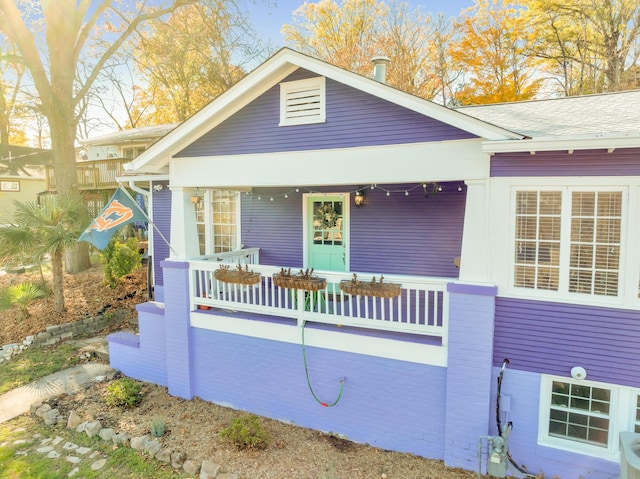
(120,258)
(123,393)
(21,295)
(246,432)
(157,428)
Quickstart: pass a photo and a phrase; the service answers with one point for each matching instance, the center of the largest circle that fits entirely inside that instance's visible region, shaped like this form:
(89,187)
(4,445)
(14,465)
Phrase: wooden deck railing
(421,308)
(92,175)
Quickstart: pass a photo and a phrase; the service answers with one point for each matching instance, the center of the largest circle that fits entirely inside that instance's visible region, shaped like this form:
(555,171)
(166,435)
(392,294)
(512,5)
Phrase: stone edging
(60,332)
(145,445)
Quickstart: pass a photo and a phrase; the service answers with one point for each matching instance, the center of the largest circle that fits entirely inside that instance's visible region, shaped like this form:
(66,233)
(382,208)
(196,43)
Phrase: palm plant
(45,229)
(21,295)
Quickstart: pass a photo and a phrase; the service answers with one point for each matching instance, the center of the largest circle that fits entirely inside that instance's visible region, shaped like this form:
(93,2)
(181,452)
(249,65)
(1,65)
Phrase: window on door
(328,219)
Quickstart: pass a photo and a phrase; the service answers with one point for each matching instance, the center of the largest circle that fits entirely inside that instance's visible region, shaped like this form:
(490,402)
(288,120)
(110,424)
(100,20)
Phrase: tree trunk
(58,282)
(77,258)
(62,125)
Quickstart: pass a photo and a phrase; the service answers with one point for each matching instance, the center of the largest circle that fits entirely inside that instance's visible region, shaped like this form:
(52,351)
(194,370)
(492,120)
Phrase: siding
(162,219)
(551,338)
(394,234)
(621,162)
(354,119)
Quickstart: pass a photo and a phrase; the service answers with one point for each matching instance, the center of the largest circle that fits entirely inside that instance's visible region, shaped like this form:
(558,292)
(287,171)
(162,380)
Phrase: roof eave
(568,143)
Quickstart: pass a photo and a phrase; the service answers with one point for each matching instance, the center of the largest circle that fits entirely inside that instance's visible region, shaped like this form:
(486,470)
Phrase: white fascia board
(441,161)
(562,143)
(142,177)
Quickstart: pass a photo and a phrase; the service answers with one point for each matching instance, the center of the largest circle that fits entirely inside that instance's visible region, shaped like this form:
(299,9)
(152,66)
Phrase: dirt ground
(194,426)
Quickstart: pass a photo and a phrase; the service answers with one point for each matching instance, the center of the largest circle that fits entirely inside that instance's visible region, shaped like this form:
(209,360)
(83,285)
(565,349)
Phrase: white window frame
(623,403)
(563,292)
(309,85)
(207,199)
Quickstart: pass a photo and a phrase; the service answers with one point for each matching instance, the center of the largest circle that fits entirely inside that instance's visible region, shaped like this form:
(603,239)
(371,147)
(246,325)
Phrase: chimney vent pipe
(380,68)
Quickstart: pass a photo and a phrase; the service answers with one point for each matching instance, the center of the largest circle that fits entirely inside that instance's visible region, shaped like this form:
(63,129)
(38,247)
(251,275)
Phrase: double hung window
(568,240)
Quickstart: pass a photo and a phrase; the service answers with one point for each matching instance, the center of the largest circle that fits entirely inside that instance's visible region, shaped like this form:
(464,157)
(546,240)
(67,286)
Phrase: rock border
(61,332)
(145,445)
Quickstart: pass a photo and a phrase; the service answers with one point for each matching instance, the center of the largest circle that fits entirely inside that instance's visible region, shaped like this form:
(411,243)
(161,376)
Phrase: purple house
(442,242)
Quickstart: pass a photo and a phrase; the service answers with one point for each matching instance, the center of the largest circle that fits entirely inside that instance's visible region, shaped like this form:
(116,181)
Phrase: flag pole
(148,219)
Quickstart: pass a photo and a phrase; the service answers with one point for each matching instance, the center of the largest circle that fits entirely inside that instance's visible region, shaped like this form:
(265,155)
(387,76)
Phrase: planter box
(379,290)
(237,277)
(297,282)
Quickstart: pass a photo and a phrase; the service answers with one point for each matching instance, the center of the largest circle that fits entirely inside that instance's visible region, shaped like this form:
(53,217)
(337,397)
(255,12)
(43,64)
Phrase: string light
(427,188)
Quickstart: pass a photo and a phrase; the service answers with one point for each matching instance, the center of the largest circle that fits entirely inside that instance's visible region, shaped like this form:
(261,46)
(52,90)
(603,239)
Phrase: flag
(120,210)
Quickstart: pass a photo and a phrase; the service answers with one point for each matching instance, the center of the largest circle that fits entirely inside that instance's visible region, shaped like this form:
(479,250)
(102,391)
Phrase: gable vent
(302,102)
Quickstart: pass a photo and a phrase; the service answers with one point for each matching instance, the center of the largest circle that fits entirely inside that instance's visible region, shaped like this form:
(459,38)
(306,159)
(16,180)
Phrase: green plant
(158,427)
(120,258)
(21,295)
(124,393)
(246,432)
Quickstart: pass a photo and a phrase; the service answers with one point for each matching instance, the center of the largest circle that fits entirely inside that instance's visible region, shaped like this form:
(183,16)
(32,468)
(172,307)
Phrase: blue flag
(120,210)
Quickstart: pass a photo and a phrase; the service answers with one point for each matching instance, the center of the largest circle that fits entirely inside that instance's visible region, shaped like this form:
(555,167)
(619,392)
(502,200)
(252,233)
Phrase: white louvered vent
(302,102)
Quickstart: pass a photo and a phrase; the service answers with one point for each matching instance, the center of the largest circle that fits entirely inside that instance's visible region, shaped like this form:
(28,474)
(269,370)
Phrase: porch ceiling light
(358,199)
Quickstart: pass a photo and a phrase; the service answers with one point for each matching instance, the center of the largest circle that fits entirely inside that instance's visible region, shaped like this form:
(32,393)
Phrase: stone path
(58,449)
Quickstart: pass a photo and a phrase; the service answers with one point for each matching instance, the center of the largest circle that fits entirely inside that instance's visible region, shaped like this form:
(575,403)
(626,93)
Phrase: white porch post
(184,234)
(474,261)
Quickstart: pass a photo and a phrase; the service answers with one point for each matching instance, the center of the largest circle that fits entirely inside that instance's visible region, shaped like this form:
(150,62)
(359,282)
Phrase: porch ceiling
(444,161)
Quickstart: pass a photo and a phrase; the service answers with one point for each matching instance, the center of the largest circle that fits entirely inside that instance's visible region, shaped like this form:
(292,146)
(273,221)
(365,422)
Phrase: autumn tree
(78,37)
(12,108)
(587,46)
(189,58)
(491,50)
(351,33)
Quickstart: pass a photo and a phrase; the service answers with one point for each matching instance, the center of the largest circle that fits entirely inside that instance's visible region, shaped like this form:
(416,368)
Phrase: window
(586,416)
(217,221)
(130,153)
(302,102)
(580,413)
(9,186)
(568,241)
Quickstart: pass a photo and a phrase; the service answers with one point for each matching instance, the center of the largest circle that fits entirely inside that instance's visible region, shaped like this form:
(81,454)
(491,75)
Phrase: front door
(326,227)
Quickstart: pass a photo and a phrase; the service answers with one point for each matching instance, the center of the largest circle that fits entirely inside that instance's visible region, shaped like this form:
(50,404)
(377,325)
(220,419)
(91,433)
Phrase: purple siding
(162,219)
(523,390)
(551,338)
(621,162)
(353,119)
(389,404)
(394,234)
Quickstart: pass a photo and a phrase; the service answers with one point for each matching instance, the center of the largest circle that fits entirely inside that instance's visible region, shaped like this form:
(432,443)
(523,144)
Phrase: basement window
(302,102)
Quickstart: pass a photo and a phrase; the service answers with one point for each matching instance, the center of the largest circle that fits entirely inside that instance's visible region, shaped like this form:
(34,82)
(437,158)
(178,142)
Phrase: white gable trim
(278,67)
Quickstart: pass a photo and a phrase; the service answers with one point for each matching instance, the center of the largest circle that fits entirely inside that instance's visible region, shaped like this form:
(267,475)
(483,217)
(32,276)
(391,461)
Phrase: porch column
(469,372)
(474,260)
(177,328)
(184,234)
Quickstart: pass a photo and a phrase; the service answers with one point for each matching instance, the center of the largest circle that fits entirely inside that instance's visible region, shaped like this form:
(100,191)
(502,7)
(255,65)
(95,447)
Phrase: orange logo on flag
(115,214)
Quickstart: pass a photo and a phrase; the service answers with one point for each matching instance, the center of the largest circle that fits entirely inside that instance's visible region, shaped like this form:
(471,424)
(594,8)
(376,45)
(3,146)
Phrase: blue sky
(269,20)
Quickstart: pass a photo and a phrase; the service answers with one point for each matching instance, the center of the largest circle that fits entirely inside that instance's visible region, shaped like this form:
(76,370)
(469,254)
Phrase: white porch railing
(421,308)
(239,256)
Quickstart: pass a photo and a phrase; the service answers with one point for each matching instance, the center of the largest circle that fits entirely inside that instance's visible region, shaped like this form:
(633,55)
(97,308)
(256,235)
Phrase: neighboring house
(511,231)
(22,177)
(100,161)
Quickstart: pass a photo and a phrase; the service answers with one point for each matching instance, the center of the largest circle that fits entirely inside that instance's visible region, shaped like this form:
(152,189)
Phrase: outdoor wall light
(158,187)
(358,199)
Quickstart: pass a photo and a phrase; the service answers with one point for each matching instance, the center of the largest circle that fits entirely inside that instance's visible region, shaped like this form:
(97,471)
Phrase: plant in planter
(237,275)
(303,280)
(379,289)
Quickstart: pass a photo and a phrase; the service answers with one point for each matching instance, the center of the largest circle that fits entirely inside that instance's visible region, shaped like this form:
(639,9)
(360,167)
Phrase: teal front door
(326,232)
